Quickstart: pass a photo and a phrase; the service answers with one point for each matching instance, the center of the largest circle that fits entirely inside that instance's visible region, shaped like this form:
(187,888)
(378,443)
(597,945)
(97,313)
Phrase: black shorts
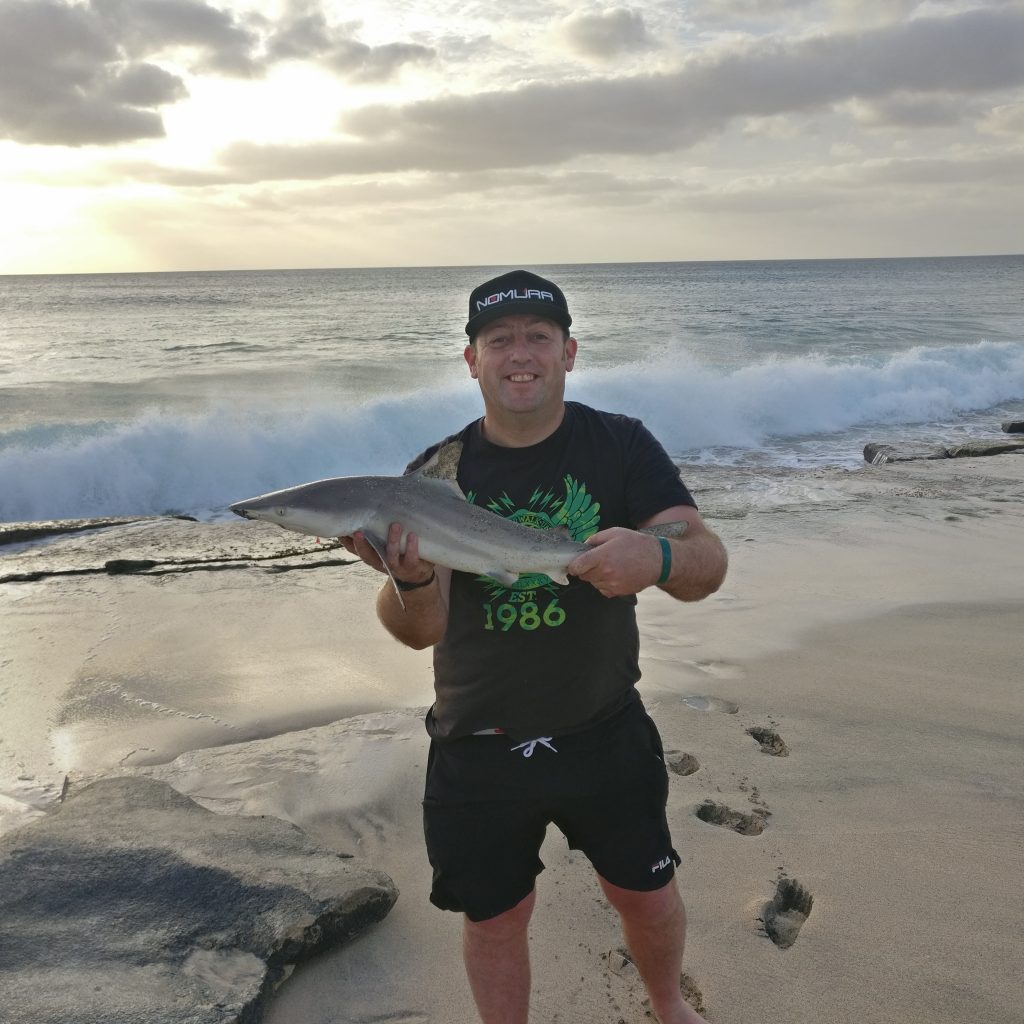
(488,801)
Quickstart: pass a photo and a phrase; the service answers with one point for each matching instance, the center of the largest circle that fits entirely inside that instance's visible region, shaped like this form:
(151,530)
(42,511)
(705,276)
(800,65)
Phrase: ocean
(141,394)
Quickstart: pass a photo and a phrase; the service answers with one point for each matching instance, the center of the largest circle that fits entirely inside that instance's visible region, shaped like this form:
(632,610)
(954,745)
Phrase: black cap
(518,291)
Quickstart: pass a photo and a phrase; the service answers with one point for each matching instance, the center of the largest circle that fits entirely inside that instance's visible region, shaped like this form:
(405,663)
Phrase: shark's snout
(240,510)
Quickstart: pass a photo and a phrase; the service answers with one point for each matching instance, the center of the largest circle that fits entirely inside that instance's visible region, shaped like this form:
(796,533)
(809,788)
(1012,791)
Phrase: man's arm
(424,619)
(625,562)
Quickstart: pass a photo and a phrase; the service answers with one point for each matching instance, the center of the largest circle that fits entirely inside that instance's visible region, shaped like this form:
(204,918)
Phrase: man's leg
(654,926)
(498,963)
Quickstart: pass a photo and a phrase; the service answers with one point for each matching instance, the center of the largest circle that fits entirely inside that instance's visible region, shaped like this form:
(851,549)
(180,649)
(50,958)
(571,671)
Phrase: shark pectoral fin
(676,529)
(562,580)
(377,543)
(502,576)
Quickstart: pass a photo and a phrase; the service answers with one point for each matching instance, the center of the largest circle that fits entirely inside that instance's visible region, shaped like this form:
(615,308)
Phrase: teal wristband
(666,561)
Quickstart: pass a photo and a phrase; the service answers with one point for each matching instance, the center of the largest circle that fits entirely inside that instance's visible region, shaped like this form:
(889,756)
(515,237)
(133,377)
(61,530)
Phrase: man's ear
(570,353)
(470,356)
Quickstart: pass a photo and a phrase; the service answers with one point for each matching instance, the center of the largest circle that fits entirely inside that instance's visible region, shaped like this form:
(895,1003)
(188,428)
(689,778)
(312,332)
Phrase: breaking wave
(164,461)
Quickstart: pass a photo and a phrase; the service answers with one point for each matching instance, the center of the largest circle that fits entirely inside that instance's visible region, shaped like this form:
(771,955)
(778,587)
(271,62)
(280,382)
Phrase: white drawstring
(531,745)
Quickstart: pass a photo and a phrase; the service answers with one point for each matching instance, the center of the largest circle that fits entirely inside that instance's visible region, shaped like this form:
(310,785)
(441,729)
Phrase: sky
(147,135)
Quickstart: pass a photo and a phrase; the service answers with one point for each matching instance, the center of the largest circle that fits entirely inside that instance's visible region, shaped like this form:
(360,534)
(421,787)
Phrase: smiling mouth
(522,378)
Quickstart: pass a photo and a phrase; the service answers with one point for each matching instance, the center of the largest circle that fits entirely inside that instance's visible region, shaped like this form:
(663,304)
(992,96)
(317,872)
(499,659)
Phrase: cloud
(608,34)
(913,110)
(732,11)
(361,63)
(223,43)
(63,80)
(144,85)
(305,34)
(969,54)
(1005,119)
(87,73)
(861,13)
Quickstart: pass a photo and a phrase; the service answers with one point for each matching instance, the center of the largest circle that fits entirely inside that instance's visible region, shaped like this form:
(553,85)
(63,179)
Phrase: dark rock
(879,454)
(20,533)
(124,566)
(153,546)
(132,903)
(1013,427)
(974,449)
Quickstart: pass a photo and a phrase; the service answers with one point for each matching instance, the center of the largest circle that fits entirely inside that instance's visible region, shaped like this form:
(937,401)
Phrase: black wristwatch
(405,587)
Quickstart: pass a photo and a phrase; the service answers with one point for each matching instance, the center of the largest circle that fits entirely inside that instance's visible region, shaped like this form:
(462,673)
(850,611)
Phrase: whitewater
(149,394)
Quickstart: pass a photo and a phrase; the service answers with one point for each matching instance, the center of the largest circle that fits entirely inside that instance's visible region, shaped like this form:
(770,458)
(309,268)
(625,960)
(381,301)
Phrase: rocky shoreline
(165,669)
(877,453)
(130,903)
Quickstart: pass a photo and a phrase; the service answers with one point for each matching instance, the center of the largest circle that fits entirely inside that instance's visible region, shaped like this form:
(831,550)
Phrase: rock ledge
(131,903)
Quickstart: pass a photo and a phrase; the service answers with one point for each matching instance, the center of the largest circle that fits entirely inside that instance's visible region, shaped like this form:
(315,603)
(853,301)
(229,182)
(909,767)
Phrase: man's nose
(520,350)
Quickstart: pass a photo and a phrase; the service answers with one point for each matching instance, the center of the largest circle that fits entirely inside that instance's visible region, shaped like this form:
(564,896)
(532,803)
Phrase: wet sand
(845,715)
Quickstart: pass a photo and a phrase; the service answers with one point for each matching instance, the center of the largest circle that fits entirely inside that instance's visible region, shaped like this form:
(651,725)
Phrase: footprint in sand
(701,703)
(771,742)
(785,913)
(681,764)
(620,962)
(718,669)
(752,824)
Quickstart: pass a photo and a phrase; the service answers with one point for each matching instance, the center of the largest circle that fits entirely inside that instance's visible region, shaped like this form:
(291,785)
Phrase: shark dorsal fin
(443,465)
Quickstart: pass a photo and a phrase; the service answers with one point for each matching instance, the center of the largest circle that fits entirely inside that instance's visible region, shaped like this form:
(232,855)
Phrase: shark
(428,502)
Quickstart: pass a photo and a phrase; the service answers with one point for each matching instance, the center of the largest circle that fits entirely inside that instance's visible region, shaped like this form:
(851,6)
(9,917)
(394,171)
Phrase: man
(537,719)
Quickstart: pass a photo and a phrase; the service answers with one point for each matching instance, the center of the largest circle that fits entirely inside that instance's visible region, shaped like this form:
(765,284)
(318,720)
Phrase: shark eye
(280,512)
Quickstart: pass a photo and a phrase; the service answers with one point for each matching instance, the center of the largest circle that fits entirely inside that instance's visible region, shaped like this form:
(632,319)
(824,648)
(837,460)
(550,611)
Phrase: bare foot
(693,1004)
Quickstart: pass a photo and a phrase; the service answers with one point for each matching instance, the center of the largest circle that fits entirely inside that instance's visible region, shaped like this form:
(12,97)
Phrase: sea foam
(163,461)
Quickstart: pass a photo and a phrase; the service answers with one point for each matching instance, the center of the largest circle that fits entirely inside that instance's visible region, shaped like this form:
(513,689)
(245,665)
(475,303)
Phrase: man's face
(521,363)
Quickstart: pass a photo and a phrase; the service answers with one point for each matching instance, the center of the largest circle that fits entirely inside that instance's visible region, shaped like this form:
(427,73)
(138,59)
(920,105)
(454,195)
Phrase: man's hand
(420,617)
(623,562)
(620,561)
(407,567)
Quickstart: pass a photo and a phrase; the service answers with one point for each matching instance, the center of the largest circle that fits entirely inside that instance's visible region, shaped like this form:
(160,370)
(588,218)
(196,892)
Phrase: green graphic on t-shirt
(519,604)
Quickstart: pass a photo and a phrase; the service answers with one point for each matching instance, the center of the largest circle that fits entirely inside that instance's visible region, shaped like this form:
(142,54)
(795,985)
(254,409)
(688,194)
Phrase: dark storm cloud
(84,73)
(608,34)
(966,55)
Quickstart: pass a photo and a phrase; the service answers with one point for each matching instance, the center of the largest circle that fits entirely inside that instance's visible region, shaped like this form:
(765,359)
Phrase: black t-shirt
(537,658)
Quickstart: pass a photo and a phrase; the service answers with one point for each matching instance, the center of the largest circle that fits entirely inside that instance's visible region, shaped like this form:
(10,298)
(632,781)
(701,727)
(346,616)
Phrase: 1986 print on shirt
(532,601)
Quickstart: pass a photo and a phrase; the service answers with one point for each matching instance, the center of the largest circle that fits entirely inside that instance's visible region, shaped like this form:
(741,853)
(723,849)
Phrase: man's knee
(505,926)
(650,906)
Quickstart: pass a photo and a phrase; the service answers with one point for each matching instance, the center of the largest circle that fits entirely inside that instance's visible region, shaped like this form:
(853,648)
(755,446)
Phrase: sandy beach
(869,634)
